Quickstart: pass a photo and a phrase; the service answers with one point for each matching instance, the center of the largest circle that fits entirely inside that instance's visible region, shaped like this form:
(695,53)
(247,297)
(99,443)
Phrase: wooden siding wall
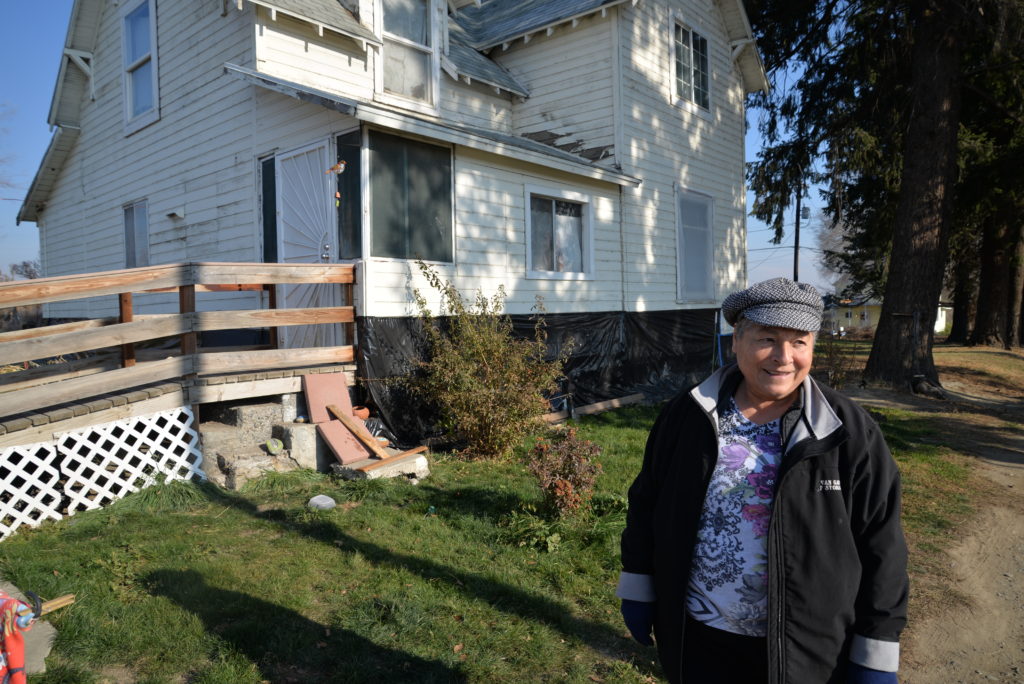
(490,247)
(667,144)
(605,80)
(292,50)
(571,78)
(194,158)
(475,105)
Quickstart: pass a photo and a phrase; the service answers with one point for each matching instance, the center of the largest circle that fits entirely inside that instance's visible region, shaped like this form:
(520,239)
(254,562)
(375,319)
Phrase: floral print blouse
(729,576)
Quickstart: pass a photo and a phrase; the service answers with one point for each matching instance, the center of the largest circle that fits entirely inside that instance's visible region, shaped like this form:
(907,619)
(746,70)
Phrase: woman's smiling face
(774,361)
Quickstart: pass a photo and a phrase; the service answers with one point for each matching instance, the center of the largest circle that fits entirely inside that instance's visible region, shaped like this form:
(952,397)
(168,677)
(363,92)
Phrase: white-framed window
(409,55)
(410,194)
(695,259)
(558,233)
(140,77)
(136,234)
(690,72)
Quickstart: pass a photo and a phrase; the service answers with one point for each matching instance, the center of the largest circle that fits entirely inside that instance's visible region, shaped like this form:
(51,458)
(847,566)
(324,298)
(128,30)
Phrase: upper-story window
(141,77)
(691,67)
(409,50)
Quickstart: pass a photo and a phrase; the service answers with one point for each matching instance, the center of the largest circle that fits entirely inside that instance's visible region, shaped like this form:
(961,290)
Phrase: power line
(762,249)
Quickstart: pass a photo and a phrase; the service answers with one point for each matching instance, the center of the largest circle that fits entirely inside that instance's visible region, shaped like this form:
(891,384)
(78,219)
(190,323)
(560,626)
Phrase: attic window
(409,55)
(691,67)
(140,78)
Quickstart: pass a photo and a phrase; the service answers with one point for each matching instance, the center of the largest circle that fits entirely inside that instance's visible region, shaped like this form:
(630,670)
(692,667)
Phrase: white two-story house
(587,151)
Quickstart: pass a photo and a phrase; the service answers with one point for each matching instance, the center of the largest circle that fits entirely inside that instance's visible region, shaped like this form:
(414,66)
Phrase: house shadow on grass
(504,597)
(287,647)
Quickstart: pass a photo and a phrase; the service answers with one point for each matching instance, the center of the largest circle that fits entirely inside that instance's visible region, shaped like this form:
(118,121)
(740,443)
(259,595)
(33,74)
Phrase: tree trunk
(902,347)
(1016,307)
(965,300)
(991,324)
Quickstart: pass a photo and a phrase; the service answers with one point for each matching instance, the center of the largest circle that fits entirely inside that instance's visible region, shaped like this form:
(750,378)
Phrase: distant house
(861,314)
(587,151)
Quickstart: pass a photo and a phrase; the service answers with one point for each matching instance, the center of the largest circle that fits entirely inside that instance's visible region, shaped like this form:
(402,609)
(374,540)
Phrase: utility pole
(796,243)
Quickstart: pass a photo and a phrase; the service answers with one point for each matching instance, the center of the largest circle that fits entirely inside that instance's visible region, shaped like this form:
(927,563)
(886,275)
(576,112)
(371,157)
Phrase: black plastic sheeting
(614,354)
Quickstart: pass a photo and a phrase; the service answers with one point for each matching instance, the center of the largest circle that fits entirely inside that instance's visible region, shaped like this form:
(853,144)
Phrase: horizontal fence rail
(114,364)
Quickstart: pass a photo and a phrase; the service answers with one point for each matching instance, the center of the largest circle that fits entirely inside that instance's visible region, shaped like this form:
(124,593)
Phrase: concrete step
(257,419)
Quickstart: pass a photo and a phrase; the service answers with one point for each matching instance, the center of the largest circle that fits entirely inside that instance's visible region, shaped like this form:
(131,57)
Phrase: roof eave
(53,160)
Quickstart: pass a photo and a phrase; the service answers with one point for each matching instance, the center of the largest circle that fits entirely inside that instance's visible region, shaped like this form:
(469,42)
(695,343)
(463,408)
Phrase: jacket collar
(817,419)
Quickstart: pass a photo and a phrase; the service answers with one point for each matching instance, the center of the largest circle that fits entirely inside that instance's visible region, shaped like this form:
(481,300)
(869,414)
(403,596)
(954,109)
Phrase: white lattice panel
(107,462)
(29,486)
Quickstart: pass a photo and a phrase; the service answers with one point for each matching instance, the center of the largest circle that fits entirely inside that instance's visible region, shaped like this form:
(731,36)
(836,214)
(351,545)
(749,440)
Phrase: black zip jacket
(837,557)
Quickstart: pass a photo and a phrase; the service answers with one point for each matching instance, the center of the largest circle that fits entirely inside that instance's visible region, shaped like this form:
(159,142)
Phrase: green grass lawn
(456,579)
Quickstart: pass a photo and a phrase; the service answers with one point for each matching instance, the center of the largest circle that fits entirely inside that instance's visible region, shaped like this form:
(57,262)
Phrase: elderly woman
(763,541)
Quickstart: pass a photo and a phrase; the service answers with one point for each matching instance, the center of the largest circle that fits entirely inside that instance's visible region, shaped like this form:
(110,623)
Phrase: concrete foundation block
(307,448)
(289,407)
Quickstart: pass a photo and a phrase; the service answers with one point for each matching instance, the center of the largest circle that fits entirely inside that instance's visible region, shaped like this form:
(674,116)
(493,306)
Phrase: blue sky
(31,40)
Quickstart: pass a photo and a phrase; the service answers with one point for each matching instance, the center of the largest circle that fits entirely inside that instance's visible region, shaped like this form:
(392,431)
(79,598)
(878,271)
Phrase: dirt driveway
(982,641)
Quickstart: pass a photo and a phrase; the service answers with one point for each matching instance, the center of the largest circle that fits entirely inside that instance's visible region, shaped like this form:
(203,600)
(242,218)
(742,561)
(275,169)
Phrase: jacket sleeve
(636,581)
(881,607)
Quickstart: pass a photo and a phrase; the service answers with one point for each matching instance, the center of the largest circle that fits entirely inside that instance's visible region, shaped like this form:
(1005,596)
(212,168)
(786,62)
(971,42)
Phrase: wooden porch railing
(120,365)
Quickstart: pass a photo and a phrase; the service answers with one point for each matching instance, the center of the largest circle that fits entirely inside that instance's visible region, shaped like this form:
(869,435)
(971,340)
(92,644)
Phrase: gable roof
(501,21)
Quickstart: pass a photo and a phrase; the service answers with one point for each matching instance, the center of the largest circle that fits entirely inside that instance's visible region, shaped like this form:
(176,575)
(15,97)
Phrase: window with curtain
(694,248)
(558,233)
(140,80)
(136,234)
(691,67)
(408,49)
(410,199)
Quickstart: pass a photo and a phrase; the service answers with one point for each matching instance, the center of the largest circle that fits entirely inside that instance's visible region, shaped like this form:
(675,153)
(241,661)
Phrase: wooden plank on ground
(229,362)
(600,406)
(392,458)
(80,389)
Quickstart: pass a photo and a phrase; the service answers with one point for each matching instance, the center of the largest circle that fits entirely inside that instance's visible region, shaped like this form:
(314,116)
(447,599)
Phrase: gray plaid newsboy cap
(777,303)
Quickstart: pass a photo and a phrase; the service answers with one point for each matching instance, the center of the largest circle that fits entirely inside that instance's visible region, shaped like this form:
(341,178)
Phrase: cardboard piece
(322,389)
(346,448)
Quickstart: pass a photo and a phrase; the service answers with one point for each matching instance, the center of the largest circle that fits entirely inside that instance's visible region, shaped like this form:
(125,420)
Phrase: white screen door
(306,235)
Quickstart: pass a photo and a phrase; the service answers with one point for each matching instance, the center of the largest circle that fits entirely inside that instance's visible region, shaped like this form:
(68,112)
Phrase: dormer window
(409,50)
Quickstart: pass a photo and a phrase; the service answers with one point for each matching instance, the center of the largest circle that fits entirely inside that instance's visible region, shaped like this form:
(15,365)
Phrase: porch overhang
(494,142)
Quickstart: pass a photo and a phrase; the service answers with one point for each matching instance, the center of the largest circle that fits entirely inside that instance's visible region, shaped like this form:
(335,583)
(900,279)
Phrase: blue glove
(639,618)
(858,674)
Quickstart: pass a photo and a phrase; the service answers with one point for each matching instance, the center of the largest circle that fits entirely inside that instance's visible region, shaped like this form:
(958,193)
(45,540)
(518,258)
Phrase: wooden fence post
(125,316)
